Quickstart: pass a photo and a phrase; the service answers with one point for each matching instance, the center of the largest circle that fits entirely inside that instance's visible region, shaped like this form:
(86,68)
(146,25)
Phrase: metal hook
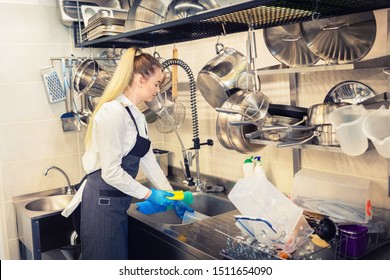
(316,15)
(223,32)
(223,29)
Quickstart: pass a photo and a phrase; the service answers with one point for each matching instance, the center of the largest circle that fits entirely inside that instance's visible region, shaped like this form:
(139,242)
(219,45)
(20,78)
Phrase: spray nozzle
(248,160)
(257,158)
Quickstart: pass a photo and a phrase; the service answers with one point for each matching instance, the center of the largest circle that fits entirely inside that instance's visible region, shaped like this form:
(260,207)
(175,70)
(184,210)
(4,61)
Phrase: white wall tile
(20,24)
(25,61)
(35,140)
(22,177)
(26,102)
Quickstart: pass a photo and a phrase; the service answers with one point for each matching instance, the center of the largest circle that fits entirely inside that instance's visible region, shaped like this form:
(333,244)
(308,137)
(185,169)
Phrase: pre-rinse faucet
(69,189)
(195,128)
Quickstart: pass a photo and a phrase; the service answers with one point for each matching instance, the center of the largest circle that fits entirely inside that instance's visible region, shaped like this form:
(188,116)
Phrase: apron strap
(132,117)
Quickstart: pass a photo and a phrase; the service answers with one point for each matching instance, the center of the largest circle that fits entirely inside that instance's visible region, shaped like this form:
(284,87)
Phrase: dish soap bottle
(258,170)
(247,167)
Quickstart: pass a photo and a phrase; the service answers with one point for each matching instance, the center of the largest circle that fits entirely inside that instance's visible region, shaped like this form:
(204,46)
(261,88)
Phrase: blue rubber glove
(159,197)
(146,207)
(180,208)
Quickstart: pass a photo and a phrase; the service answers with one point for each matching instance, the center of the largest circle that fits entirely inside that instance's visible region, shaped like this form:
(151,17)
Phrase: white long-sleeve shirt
(113,136)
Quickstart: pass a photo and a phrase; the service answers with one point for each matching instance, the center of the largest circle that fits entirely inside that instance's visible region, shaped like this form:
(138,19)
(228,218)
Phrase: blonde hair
(129,64)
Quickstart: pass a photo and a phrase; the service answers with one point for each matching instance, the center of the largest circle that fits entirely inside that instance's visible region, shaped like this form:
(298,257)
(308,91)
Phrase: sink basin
(207,204)
(50,203)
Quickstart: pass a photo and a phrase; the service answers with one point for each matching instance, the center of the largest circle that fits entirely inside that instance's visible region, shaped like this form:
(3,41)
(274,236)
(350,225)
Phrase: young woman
(117,144)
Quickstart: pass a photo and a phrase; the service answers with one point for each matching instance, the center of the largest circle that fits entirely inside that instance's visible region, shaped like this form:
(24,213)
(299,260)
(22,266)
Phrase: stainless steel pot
(323,132)
(221,123)
(233,136)
(217,80)
(91,79)
(293,131)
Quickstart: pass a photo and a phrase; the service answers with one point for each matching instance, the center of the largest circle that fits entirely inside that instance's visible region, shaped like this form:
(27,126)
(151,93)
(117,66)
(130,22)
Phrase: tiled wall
(31,138)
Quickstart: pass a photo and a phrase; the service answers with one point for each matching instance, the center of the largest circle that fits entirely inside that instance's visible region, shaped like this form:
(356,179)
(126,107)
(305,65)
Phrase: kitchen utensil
(375,102)
(353,92)
(347,122)
(323,133)
(376,127)
(170,118)
(166,82)
(318,116)
(324,228)
(247,106)
(249,80)
(280,128)
(286,44)
(170,115)
(193,217)
(179,9)
(91,79)
(69,120)
(52,83)
(353,240)
(341,39)
(108,61)
(138,13)
(294,112)
(255,196)
(221,123)
(174,75)
(156,6)
(217,80)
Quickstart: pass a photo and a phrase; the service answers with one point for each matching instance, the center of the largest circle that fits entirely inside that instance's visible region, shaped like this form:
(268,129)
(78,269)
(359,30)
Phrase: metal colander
(171,117)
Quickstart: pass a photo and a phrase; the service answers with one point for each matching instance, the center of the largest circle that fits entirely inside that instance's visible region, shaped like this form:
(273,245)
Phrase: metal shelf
(232,19)
(380,62)
(302,146)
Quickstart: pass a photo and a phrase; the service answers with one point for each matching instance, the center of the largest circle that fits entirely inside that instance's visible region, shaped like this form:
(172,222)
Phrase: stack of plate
(105,23)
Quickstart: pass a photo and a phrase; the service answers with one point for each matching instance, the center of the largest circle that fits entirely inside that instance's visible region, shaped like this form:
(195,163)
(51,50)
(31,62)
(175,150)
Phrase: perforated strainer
(171,117)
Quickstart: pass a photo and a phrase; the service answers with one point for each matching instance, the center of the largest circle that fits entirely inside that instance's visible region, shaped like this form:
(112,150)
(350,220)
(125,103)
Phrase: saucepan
(323,133)
(232,137)
(217,80)
(283,123)
(90,78)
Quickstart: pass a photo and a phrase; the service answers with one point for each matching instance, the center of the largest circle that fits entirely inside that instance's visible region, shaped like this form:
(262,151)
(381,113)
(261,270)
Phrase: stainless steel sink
(50,203)
(207,204)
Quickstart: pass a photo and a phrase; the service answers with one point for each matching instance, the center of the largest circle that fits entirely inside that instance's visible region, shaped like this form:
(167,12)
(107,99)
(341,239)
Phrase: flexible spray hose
(194,114)
(194,110)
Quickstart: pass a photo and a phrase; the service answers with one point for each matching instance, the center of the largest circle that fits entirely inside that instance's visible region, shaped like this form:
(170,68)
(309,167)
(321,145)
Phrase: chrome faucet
(69,189)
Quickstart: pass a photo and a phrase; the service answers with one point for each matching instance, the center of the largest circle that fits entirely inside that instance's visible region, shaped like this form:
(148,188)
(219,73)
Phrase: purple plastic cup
(353,240)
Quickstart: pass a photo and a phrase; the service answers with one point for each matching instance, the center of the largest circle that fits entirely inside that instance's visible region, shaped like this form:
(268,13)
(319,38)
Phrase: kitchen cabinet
(43,233)
(229,20)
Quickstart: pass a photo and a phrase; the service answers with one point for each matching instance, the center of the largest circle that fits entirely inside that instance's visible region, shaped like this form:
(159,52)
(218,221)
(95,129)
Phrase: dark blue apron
(104,221)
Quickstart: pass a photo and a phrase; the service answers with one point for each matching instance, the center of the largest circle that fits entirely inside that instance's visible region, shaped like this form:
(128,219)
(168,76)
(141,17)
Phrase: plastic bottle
(258,170)
(247,167)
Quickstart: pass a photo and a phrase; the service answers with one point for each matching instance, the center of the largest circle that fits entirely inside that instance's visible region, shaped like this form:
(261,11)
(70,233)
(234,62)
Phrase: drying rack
(240,247)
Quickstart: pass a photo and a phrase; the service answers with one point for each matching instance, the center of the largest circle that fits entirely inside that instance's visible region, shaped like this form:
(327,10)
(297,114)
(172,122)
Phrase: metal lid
(342,39)
(287,45)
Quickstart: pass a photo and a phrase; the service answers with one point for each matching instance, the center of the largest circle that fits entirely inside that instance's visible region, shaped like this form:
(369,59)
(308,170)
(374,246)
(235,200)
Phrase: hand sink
(207,204)
(50,203)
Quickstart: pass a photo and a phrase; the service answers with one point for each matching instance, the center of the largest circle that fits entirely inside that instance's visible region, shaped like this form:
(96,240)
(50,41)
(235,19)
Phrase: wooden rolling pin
(174,76)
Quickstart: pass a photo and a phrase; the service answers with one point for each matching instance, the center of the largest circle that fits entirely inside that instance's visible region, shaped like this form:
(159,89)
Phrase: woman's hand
(180,208)
(159,197)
